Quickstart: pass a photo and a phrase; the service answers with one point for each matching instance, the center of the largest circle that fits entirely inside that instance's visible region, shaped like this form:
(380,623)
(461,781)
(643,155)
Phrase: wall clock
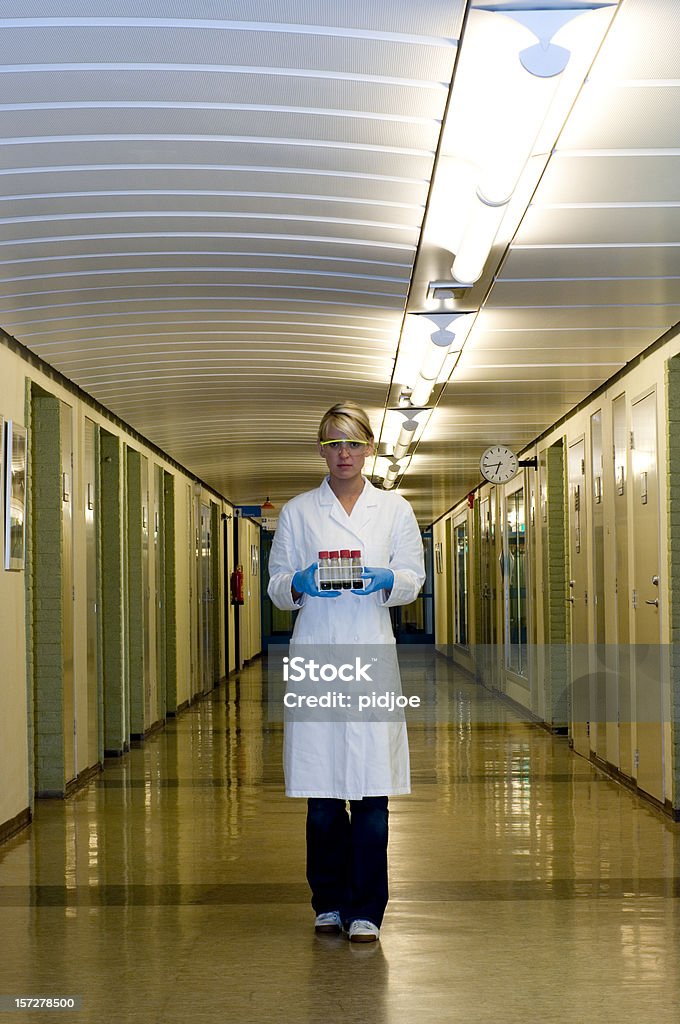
(499,464)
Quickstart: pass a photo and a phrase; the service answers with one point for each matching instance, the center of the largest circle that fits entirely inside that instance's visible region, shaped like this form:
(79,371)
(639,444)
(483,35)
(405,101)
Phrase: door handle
(655,602)
(569,600)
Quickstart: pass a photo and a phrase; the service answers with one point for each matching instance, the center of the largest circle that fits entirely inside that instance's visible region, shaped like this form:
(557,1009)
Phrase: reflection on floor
(525,886)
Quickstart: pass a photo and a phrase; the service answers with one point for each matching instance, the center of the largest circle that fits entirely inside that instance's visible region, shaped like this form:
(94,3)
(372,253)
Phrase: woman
(363,762)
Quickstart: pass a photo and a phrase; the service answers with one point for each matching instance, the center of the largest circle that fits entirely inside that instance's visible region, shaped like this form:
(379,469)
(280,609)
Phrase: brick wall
(170,595)
(135,585)
(47,598)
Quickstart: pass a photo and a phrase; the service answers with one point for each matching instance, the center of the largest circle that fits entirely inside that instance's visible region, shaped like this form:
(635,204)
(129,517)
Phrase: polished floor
(526,887)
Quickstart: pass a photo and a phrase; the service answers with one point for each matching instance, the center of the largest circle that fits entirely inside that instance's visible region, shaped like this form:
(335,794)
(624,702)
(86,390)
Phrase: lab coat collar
(362,513)
(369,495)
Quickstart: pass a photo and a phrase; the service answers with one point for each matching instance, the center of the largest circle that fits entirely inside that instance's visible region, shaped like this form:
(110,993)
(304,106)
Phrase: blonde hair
(349,418)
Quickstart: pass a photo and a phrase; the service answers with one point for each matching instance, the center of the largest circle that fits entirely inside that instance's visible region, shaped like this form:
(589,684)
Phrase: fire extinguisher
(236,584)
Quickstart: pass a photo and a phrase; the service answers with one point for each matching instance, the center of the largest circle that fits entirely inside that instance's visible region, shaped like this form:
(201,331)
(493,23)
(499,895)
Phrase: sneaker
(363,931)
(329,923)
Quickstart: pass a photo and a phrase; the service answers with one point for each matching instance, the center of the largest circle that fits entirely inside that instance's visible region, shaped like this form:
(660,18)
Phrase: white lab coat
(346,760)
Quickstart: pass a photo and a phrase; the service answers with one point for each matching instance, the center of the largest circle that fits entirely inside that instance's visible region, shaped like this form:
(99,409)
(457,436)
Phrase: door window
(515,584)
(460,554)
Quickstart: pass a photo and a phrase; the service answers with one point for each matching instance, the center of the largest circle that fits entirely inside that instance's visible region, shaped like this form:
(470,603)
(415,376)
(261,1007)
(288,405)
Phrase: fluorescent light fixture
(399,474)
(431,338)
(405,439)
(479,235)
(402,427)
(390,478)
(520,68)
(381,465)
(455,177)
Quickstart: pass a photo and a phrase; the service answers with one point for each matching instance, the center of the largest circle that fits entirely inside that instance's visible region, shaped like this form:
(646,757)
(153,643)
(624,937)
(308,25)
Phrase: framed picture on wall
(15,495)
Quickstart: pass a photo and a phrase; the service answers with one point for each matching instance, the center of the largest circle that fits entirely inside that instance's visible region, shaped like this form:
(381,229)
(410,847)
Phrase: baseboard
(179,709)
(15,825)
(85,777)
(616,775)
(137,738)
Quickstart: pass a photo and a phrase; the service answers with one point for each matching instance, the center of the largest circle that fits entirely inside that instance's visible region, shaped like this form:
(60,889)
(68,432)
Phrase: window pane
(516,608)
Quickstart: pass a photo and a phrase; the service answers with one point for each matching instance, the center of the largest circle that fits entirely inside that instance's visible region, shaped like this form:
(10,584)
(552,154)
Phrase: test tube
(336,579)
(357,582)
(346,569)
(324,571)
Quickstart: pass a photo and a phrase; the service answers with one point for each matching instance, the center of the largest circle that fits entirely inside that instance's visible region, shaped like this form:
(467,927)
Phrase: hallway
(525,886)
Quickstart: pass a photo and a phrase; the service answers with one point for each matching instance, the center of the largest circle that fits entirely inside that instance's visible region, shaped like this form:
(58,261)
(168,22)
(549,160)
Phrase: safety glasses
(352,446)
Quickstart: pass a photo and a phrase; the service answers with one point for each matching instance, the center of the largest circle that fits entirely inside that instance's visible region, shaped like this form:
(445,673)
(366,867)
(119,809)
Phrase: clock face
(499,464)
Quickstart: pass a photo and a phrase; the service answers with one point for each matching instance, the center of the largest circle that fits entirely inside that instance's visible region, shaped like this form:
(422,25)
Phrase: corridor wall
(59,720)
(583,581)
(14,774)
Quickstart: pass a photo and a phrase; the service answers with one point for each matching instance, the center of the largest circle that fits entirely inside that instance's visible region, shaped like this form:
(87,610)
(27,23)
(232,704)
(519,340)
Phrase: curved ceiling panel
(211,219)
(210,210)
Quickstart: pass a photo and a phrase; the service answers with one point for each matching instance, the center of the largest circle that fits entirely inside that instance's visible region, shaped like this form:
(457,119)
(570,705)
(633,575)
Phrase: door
(206,646)
(148,624)
(277,625)
(486,651)
(92,626)
(460,577)
(67,585)
(598,677)
(516,596)
(193,573)
(160,602)
(648,665)
(578,599)
(545,704)
(449,570)
(414,623)
(621,753)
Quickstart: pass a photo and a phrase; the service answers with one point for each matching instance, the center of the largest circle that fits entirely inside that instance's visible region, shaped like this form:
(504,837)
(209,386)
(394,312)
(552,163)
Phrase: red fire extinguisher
(236,584)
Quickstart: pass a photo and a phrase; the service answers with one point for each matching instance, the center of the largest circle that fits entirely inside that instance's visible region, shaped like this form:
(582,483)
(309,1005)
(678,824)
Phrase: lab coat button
(356,638)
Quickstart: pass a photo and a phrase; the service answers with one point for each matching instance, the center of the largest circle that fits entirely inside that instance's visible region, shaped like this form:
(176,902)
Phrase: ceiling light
(520,68)
(402,426)
(480,231)
(380,466)
(392,474)
(432,337)
(405,439)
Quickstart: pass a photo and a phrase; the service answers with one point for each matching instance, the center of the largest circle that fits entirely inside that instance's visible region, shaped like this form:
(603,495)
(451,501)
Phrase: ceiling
(211,219)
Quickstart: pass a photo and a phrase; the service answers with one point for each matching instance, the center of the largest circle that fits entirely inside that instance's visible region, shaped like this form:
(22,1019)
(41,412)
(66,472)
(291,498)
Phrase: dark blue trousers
(347,857)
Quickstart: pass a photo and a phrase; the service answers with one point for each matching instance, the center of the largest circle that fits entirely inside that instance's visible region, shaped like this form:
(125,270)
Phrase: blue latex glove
(377,579)
(304,582)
